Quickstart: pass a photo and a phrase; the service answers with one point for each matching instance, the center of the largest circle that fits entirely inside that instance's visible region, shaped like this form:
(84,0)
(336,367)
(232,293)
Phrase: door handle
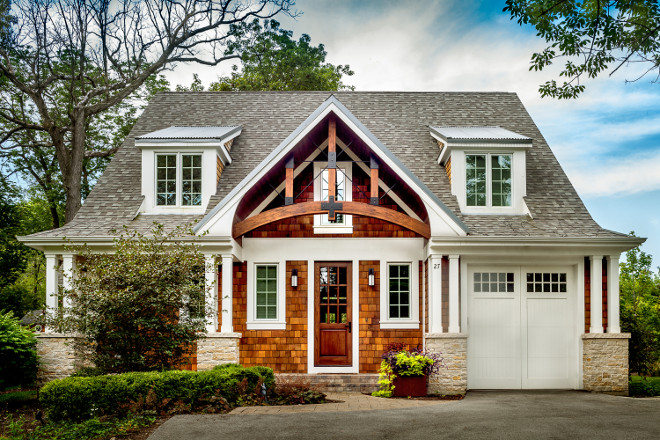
(350,326)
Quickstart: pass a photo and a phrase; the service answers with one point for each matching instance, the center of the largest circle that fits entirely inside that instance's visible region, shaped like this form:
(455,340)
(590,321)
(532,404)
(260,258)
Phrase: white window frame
(489,180)
(253,323)
(344,169)
(179,179)
(411,322)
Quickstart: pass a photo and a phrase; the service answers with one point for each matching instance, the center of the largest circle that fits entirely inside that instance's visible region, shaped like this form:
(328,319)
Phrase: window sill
(271,325)
(407,324)
(333,229)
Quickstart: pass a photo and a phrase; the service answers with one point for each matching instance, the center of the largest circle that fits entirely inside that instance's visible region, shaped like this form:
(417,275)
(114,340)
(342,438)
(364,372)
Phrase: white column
(435,293)
(596,283)
(227,285)
(211,294)
(613,324)
(68,264)
(454,317)
(51,285)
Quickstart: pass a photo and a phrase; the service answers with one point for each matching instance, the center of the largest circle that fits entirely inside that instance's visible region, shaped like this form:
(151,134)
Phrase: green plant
(78,398)
(18,355)
(407,363)
(644,386)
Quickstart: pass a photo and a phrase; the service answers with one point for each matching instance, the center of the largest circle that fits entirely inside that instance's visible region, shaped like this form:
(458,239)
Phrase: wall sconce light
(294,277)
(372,277)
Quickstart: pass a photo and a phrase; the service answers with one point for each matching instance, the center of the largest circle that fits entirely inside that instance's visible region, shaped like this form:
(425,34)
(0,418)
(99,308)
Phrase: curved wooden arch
(355,208)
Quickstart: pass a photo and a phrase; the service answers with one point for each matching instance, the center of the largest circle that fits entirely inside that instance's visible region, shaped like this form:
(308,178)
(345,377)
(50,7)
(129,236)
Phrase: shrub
(397,361)
(18,354)
(295,391)
(78,398)
(644,386)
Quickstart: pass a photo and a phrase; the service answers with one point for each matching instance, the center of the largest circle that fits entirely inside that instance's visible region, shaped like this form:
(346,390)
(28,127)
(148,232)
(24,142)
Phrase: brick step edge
(362,383)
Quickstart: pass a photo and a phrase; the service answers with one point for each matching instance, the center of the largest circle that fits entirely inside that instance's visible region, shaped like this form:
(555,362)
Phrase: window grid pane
(340,187)
(191,182)
(475,180)
(545,282)
(166,179)
(266,291)
(501,180)
(493,282)
(399,290)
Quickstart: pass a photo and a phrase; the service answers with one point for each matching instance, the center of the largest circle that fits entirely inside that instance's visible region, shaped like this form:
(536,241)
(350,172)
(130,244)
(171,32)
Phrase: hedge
(18,353)
(79,398)
(644,387)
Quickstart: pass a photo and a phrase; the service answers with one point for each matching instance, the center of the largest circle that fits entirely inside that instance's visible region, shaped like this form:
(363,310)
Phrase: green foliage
(18,300)
(592,36)
(126,306)
(18,399)
(385,380)
(272,60)
(92,429)
(412,364)
(644,386)
(78,398)
(18,355)
(640,310)
(12,253)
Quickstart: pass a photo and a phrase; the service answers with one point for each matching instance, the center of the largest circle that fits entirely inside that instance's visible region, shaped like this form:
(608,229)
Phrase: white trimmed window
(488,180)
(399,295)
(343,224)
(178,179)
(266,296)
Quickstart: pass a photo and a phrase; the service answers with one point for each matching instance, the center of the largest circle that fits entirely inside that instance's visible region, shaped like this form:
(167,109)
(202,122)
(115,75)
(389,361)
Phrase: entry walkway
(342,402)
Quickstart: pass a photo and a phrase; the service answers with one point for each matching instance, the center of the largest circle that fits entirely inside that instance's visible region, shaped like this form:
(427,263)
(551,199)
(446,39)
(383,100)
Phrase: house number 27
(436,265)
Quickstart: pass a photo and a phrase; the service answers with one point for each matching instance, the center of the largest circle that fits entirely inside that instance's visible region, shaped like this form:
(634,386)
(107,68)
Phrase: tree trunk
(71,165)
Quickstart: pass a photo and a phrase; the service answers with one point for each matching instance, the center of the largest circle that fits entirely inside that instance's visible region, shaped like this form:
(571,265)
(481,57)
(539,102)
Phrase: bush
(18,354)
(644,386)
(78,398)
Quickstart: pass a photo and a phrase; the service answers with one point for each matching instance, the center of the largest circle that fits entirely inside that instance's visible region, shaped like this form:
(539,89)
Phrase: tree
(18,354)
(640,310)
(140,308)
(593,35)
(94,55)
(272,60)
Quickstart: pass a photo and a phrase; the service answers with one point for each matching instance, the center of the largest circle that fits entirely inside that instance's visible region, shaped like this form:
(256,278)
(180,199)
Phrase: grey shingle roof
(400,120)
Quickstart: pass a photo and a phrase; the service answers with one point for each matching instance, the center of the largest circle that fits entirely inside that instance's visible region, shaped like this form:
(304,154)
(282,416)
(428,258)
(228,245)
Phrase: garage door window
(546,282)
(495,282)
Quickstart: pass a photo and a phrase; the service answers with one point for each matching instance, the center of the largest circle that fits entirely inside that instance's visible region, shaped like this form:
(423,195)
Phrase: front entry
(332,320)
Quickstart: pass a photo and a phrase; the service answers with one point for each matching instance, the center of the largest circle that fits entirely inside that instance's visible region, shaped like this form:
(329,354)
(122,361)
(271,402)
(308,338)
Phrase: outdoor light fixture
(294,277)
(372,277)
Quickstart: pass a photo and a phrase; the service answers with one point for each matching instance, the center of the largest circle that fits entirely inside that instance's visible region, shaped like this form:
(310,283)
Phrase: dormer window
(486,168)
(488,179)
(181,167)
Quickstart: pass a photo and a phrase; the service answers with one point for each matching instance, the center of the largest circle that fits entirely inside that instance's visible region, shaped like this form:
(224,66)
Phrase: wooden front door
(332,305)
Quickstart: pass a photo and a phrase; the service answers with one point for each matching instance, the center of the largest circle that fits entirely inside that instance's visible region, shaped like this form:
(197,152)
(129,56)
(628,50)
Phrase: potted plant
(405,372)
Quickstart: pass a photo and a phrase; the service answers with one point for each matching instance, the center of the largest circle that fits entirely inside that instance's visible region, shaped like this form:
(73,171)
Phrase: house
(342,222)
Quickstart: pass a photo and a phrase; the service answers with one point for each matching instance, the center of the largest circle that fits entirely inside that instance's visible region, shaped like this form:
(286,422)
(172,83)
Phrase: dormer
(486,167)
(181,167)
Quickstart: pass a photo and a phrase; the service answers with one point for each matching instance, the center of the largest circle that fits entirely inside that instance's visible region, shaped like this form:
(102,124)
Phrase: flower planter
(409,386)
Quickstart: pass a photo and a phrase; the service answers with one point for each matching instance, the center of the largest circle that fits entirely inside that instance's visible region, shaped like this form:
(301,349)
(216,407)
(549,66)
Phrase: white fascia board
(519,246)
(229,203)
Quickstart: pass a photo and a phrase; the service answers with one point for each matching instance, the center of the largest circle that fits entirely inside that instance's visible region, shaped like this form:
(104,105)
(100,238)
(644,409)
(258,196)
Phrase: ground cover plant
(644,386)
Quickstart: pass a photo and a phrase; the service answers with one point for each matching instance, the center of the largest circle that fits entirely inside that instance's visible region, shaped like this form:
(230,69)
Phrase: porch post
(68,265)
(435,293)
(211,294)
(454,318)
(227,295)
(596,284)
(51,285)
(613,324)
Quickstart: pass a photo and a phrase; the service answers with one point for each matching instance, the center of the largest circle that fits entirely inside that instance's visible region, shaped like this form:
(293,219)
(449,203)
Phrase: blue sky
(608,141)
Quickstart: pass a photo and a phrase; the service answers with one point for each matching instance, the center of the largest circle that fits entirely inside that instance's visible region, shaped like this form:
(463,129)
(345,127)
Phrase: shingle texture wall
(605,362)
(399,120)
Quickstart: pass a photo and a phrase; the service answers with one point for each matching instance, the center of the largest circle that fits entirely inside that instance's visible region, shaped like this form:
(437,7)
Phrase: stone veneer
(452,378)
(216,349)
(605,362)
(56,356)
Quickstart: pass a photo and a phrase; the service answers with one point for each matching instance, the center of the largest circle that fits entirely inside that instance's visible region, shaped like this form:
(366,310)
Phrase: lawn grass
(18,398)
(644,386)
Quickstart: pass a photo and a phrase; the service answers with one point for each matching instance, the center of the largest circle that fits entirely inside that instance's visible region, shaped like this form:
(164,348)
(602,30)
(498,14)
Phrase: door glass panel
(333,294)
(342,294)
(323,275)
(332,279)
(324,294)
(342,275)
(343,315)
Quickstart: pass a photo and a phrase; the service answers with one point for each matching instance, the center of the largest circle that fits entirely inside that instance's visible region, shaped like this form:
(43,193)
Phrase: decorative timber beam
(332,164)
(355,208)
(288,190)
(373,197)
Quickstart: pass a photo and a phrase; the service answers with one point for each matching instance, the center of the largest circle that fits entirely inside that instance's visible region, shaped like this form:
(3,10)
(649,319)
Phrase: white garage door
(521,327)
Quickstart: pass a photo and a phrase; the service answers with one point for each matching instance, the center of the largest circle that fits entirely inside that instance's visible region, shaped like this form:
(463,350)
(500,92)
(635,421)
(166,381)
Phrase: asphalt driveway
(481,415)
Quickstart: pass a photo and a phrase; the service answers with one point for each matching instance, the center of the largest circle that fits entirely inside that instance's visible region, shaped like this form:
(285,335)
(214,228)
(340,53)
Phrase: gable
(220,220)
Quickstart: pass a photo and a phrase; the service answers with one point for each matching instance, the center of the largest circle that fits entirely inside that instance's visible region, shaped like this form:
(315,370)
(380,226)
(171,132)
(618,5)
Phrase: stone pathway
(343,402)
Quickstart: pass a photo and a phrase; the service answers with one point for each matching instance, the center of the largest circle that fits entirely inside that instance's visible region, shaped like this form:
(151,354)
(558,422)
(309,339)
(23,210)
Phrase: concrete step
(362,383)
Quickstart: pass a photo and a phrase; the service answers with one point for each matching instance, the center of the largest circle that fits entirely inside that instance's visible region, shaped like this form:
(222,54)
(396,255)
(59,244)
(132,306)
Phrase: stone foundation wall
(216,349)
(452,378)
(605,362)
(56,356)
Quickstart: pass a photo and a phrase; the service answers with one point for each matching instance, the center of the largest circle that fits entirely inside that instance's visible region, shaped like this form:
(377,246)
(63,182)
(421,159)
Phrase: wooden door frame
(349,309)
